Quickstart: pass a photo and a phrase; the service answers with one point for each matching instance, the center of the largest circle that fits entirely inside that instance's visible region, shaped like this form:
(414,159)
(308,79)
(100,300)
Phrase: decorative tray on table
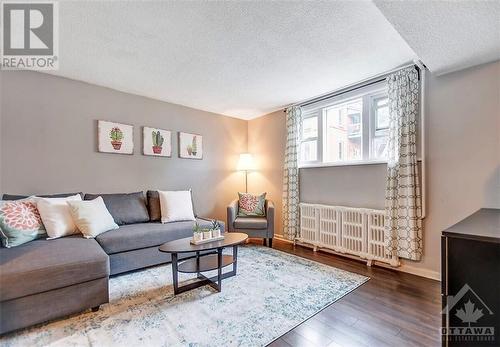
(212,239)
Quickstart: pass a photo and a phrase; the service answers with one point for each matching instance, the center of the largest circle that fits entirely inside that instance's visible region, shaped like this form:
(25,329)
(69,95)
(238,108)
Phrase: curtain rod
(364,83)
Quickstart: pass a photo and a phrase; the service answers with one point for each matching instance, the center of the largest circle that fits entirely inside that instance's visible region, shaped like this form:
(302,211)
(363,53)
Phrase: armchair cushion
(250,223)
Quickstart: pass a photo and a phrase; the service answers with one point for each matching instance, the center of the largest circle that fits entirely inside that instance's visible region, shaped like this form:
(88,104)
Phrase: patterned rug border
(327,305)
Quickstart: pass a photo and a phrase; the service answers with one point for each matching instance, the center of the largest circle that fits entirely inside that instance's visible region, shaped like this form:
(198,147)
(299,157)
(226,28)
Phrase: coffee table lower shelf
(203,263)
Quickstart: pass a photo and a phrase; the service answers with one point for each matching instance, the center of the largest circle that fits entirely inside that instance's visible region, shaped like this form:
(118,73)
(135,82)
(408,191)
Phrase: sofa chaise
(47,279)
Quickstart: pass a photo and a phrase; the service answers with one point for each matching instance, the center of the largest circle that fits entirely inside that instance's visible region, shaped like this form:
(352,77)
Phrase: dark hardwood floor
(391,309)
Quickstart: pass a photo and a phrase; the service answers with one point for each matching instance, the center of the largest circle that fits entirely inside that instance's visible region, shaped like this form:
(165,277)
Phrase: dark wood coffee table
(211,259)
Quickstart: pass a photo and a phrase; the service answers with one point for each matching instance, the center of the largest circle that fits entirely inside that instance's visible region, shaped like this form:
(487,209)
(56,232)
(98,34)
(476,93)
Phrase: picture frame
(113,137)
(156,142)
(190,146)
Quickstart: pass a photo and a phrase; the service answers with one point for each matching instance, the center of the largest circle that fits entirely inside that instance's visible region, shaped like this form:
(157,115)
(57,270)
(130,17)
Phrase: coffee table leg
(235,258)
(198,264)
(219,269)
(175,273)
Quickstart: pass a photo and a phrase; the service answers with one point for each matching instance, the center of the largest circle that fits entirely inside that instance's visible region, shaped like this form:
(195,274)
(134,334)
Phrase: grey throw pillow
(126,208)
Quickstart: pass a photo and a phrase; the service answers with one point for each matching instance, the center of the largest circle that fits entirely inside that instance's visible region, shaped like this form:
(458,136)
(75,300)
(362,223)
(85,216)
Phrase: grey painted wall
(48,143)
(463,158)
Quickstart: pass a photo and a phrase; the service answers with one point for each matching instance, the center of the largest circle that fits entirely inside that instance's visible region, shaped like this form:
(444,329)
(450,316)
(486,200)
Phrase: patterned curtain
(291,174)
(403,230)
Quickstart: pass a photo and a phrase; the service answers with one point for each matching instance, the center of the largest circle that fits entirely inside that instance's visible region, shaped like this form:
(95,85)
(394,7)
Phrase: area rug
(272,293)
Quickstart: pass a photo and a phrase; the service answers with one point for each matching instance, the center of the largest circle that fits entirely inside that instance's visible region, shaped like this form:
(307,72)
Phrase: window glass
(309,151)
(343,132)
(381,114)
(381,133)
(310,128)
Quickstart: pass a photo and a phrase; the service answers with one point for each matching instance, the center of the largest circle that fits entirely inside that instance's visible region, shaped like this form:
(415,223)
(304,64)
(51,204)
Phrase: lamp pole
(246,181)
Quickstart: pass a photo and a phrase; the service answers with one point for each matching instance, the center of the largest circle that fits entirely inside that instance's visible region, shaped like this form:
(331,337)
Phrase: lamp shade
(245,163)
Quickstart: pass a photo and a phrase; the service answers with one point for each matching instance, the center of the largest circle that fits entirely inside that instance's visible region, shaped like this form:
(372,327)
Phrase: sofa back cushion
(19,197)
(126,208)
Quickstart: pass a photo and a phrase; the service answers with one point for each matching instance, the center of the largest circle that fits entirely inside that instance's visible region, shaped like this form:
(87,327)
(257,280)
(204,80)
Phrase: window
(348,129)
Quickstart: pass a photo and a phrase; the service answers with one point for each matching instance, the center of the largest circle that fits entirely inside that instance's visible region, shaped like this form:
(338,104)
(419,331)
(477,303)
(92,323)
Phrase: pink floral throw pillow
(251,205)
(20,222)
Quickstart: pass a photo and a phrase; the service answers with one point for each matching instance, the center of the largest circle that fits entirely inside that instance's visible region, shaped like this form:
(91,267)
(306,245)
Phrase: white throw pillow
(56,216)
(91,217)
(176,206)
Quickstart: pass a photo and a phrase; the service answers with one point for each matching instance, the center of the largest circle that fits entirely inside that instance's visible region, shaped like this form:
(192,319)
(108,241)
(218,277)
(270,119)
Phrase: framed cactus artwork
(115,137)
(190,146)
(157,142)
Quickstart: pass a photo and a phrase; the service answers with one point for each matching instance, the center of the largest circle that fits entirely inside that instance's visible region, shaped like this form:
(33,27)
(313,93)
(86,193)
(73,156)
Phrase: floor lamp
(246,164)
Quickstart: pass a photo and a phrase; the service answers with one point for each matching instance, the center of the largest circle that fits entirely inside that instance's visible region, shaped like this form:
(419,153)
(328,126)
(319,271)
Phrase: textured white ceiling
(242,59)
(447,35)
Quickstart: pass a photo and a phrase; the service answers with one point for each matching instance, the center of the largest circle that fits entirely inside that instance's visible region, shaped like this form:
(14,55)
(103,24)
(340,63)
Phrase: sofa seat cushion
(43,265)
(143,235)
(250,223)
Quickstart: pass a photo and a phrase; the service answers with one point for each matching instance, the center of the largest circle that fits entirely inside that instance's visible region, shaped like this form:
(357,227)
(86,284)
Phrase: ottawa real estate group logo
(30,35)
(469,320)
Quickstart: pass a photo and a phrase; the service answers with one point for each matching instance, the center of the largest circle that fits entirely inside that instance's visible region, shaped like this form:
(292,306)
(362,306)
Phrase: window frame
(367,94)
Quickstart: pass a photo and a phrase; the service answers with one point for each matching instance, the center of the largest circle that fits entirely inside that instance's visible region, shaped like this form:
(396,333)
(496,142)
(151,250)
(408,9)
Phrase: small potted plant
(116,136)
(157,142)
(197,233)
(207,234)
(216,228)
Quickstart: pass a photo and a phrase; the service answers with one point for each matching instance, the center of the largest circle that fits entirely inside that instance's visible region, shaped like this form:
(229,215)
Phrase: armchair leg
(264,242)
(271,242)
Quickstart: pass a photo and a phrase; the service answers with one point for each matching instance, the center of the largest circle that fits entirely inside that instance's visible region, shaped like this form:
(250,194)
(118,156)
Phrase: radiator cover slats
(347,230)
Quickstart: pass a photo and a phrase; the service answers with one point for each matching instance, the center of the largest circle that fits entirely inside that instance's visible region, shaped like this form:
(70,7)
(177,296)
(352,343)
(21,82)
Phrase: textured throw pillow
(56,216)
(20,222)
(91,217)
(176,206)
(126,208)
(154,205)
(250,205)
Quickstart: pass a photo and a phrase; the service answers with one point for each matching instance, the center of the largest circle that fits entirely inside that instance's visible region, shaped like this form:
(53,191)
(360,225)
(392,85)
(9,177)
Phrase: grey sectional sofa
(46,279)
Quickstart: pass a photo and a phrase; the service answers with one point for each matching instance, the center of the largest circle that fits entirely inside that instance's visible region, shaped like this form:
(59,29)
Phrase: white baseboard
(434,275)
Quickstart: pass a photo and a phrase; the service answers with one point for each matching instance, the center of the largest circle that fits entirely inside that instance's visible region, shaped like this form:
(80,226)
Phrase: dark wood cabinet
(470,285)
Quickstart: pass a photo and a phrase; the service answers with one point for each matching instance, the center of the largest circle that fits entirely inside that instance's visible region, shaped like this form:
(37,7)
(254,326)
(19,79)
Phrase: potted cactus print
(157,142)
(116,136)
(194,146)
(190,146)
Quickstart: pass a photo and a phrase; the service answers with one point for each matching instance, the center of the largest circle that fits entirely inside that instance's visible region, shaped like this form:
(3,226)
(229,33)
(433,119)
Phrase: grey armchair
(252,226)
